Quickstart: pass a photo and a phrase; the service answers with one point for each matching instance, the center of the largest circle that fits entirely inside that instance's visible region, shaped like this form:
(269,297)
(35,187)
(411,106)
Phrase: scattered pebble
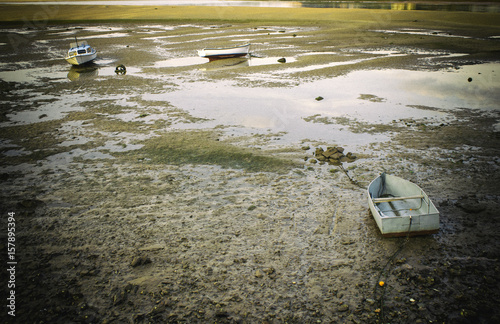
(140,260)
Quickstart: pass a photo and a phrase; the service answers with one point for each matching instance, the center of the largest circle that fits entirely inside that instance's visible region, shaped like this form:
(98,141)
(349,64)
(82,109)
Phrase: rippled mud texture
(133,207)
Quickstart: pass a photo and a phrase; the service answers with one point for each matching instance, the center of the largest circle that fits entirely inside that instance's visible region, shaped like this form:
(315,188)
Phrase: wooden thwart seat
(389,199)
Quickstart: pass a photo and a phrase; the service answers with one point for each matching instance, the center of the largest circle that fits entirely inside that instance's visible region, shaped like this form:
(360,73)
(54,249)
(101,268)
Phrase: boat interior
(393,197)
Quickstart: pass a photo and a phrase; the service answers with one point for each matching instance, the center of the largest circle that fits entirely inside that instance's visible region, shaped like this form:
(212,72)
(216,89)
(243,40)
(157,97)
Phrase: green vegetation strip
(204,147)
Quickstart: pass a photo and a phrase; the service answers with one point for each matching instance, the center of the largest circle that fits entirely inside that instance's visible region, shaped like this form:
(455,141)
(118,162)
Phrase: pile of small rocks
(332,155)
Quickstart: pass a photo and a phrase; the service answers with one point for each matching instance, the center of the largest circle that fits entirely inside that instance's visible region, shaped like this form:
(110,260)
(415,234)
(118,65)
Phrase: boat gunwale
(224,48)
(381,218)
(406,216)
(425,197)
(83,54)
(82,47)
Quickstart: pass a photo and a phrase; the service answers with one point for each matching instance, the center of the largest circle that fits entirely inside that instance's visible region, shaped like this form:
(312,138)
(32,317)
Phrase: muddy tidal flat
(187,191)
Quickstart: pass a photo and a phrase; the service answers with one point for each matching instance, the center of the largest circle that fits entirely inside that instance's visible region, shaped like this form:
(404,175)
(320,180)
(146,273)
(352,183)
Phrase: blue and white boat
(80,53)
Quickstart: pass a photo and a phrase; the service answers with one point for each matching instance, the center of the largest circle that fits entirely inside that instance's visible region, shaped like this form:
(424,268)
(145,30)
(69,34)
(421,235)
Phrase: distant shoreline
(394,1)
(478,24)
(54,13)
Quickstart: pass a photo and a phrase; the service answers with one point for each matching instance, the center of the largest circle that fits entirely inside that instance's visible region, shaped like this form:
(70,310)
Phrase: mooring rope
(378,284)
(349,177)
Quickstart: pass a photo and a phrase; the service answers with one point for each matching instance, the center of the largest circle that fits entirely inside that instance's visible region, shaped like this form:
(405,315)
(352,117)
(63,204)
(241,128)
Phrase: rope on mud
(389,261)
(349,177)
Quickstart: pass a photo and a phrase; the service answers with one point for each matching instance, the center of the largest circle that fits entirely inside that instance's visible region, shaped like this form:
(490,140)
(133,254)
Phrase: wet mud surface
(184,191)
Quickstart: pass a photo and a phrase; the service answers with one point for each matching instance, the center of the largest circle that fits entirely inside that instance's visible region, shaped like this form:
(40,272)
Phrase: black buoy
(121,69)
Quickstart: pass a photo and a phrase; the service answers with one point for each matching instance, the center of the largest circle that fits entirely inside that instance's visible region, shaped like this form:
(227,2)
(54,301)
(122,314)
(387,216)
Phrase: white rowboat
(220,53)
(80,53)
(401,208)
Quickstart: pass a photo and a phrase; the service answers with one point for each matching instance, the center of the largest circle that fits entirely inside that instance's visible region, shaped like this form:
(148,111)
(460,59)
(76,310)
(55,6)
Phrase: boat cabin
(80,48)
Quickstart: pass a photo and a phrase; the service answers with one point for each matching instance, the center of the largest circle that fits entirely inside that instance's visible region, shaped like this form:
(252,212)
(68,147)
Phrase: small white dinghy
(80,53)
(401,208)
(226,52)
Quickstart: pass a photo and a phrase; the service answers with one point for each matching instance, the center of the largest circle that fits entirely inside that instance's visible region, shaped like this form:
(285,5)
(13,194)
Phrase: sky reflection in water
(397,93)
(246,105)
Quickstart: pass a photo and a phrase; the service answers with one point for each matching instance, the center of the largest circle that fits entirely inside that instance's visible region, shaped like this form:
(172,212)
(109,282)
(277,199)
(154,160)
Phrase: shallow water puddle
(269,109)
(111,71)
(380,54)
(365,96)
(328,65)
(220,64)
(47,111)
(180,61)
(100,69)
(423,32)
(32,75)
(473,86)
(313,67)
(65,72)
(110,35)
(371,97)
(258,61)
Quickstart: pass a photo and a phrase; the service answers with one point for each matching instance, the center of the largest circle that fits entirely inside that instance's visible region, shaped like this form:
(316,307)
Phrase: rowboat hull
(401,208)
(222,53)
